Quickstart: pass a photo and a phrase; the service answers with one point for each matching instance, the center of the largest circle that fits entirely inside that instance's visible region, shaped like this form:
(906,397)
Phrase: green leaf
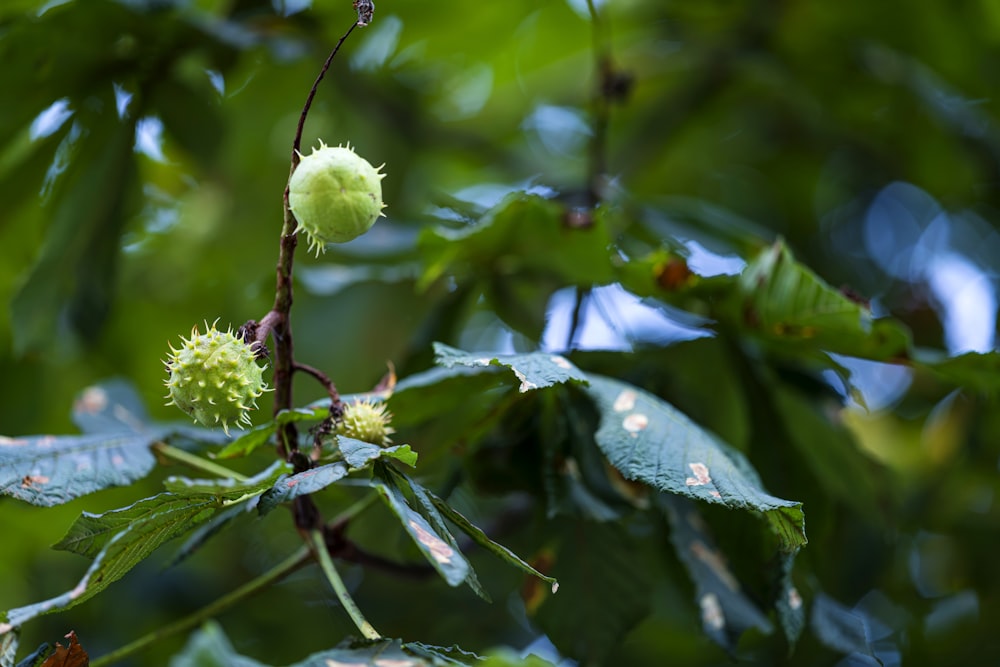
(726,611)
(248,442)
(309,481)
(49,470)
(841,628)
(446,559)
(838,465)
(649,440)
(385,653)
(74,275)
(191,115)
(311,413)
(91,533)
(209,647)
(783,301)
(228,489)
(8,646)
(510,659)
(451,655)
(535,370)
(38,657)
(117,541)
(509,255)
(518,235)
(602,596)
(976,371)
(789,605)
(426,498)
(430,512)
(358,453)
(260,435)
(438,391)
(110,407)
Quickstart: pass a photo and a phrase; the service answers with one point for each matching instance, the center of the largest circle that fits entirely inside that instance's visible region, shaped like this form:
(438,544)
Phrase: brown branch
(323,379)
(280,322)
(297,143)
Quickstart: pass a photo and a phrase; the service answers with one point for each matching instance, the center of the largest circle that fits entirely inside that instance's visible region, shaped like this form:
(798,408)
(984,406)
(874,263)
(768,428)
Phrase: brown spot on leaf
(715,562)
(856,297)
(441,552)
(625,401)
(561,362)
(673,274)
(578,218)
(701,476)
(794,599)
(635,492)
(711,611)
(635,423)
(91,401)
(123,415)
(29,481)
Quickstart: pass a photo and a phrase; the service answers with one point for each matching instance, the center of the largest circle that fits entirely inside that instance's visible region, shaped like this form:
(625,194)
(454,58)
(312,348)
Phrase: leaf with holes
(649,440)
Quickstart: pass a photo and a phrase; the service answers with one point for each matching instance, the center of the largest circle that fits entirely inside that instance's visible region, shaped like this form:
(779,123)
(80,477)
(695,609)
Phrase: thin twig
(297,143)
(281,329)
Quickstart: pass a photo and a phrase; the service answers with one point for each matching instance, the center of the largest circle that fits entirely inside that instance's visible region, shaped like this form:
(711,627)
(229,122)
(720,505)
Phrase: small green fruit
(335,194)
(367,421)
(214,378)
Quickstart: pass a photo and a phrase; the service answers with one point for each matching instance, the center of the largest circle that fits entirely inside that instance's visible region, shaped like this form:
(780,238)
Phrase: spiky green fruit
(367,421)
(214,378)
(335,194)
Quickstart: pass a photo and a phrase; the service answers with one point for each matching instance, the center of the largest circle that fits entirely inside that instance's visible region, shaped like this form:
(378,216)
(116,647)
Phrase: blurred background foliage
(144,145)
